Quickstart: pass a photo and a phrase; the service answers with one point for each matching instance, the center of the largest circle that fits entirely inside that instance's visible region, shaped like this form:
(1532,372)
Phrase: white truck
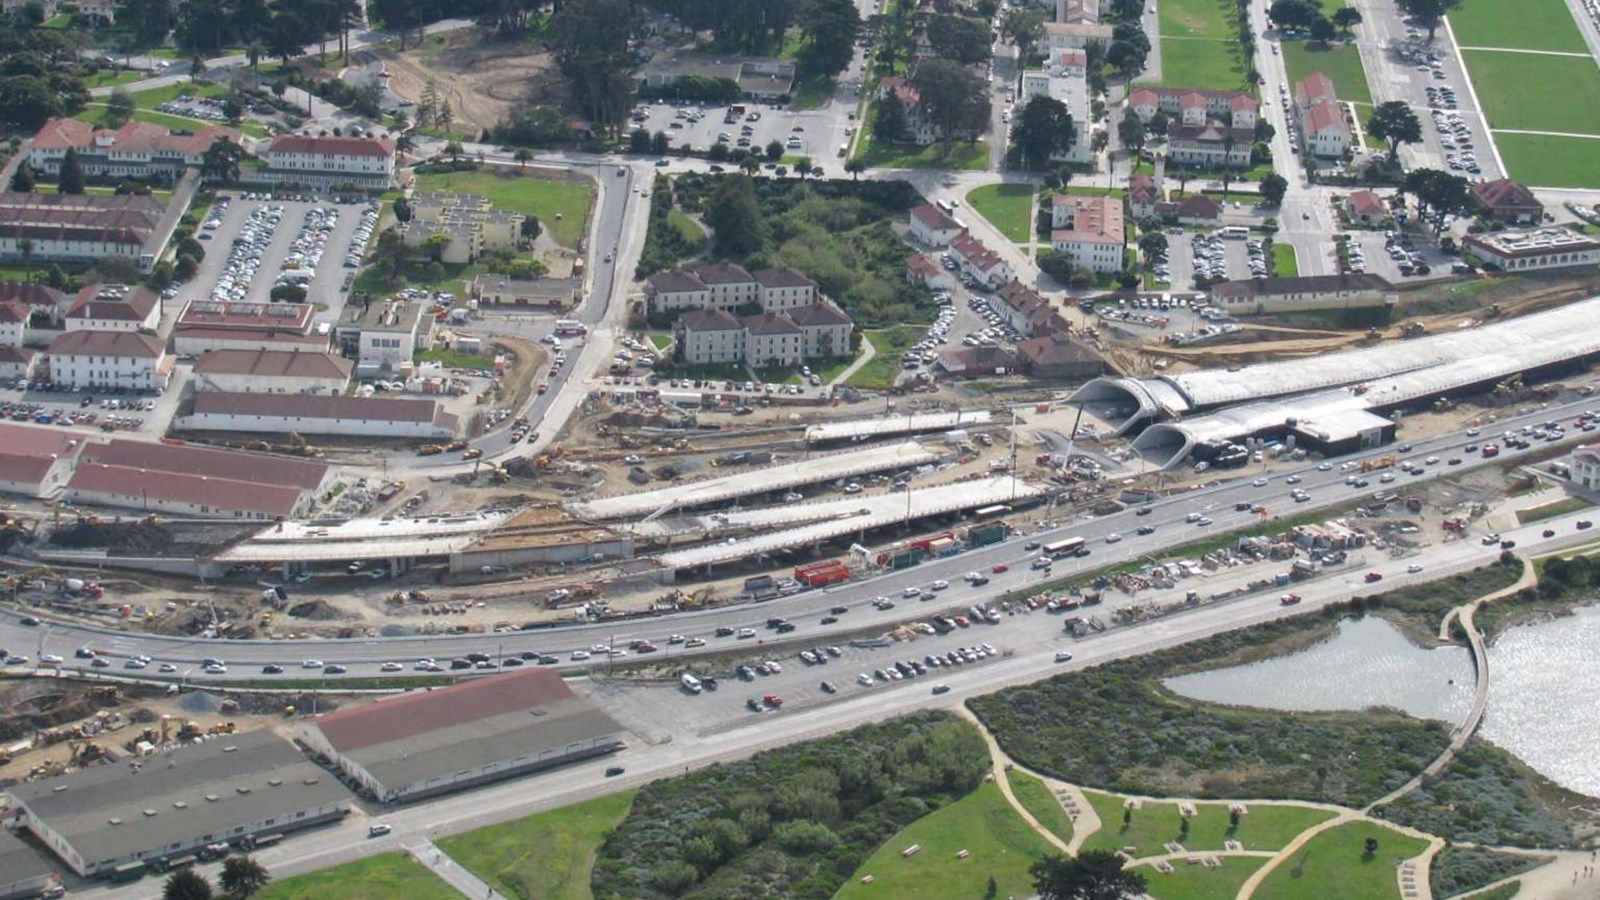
(691,683)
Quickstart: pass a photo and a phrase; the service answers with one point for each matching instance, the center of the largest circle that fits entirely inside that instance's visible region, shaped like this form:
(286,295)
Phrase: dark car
(1146,529)
(828,620)
(1549,532)
(724,631)
(839,610)
(1144,511)
(29,620)
(477,657)
(1031,546)
(786,627)
(614,771)
(272,670)
(460,663)
(334,669)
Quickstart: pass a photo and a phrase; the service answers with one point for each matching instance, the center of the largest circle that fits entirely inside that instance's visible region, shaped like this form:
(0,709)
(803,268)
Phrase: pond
(1368,663)
(1544,698)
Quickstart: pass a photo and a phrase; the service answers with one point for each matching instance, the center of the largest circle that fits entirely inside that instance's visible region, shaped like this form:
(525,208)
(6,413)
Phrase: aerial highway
(363,657)
(1030,642)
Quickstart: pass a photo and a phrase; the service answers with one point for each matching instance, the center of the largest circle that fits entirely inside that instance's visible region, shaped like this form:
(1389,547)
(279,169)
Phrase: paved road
(1031,661)
(364,656)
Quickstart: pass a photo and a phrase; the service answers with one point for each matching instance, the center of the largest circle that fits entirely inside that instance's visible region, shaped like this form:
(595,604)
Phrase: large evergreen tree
(735,217)
(72,181)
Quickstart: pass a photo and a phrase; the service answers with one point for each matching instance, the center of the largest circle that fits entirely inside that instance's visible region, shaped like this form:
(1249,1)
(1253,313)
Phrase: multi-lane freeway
(1325,483)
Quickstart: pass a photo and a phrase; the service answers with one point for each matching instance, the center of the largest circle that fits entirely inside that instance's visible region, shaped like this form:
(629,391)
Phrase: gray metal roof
(110,812)
(21,862)
(438,754)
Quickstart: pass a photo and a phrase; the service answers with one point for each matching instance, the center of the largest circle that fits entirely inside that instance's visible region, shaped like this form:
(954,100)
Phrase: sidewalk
(442,865)
(867,353)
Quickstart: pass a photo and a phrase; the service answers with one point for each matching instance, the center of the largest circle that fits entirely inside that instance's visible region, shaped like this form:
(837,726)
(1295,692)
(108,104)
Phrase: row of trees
(241,877)
(39,76)
(1308,15)
(204,27)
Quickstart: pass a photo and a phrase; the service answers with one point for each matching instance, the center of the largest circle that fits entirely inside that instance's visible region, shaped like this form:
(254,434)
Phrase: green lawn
(562,205)
(1525,24)
(1338,857)
(707,371)
(95,114)
(1341,62)
(813,92)
(689,228)
(1197,19)
(661,340)
(1187,882)
(545,856)
(1537,93)
(1284,263)
(154,97)
(1008,206)
(998,844)
(1265,827)
(381,877)
(971,157)
(888,344)
(1543,161)
(114,77)
(1207,64)
(1036,798)
(453,277)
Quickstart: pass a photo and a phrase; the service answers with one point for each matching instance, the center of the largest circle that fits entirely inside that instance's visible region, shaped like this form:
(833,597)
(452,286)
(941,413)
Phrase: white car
(51,659)
(746,633)
(391,667)
(940,585)
(1113,537)
(1259,482)
(864,679)
(1325,467)
(216,669)
(1414,568)
(580,655)
(911,592)
(311,664)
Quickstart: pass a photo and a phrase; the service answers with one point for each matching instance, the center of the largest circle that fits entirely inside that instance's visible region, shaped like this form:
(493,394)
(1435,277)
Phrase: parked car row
(244,257)
(369,222)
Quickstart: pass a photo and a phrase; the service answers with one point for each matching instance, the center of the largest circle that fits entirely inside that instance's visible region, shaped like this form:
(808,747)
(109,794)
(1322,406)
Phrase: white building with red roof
(1323,129)
(109,359)
(979,263)
(1195,107)
(1584,466)
(932,227)
(1090,229)
(36,461)
(330,162)
(136,150)
(919,129)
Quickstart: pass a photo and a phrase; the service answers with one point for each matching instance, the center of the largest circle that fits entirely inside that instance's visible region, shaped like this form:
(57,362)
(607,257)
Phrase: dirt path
(998,761)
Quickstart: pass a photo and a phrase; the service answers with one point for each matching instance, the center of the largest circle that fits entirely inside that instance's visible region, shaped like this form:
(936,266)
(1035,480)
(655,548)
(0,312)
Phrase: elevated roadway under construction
(893,424)
(785,476)
(858,515)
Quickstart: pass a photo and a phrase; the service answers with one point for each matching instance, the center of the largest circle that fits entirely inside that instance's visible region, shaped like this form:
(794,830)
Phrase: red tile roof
(124,344)
(933,217)
(331,146)
(1323,115)
(119,485)
(113,302)
(317,406)
(273,364)
(29,293)
(422,712)
(1503,193)
(1367,203)
(279,471)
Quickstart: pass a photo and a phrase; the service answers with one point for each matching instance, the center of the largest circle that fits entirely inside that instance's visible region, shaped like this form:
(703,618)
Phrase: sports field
(1544,161)
(1536,92)
(1199,47)
(1524,25)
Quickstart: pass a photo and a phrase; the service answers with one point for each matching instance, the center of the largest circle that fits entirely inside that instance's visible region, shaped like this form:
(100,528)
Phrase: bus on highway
(1066,547)
(570,327)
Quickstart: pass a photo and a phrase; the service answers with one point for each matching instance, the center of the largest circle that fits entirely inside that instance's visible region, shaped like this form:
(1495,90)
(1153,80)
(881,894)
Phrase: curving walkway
(867,353)
(998,762)
(1480,696)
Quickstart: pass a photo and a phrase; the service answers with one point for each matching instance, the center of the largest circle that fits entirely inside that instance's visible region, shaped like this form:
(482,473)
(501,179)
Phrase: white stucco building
(271,372)
(330,162)
(1091,229)
(114,359)
(319,414)
(932,227)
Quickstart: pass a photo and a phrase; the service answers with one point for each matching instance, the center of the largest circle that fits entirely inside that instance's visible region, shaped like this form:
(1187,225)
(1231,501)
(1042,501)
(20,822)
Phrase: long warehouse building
(1334,401)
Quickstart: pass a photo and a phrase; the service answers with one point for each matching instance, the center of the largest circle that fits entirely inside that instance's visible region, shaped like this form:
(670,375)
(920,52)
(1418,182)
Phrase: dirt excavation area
(481,77)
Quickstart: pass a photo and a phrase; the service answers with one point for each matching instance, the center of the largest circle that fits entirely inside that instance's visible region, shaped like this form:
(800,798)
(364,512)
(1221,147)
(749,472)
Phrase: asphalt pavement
(363,656)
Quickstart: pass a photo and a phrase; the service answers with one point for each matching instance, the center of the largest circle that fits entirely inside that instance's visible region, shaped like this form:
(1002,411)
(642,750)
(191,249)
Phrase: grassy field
(1197,19)
(1544,161)
(561,205)
(1201,63)
(1341,63)
(1265,827)
(661,341)
(889,344)
(381,877)
(545,856)
(1551,510)
(1525,25)
(114,77)
(95,114)
(1035,797)
(1200,883)
(1009,207)
(1537,93)
(1338,857)
(455,359)
(689,228)
(156,96)
(1284,263)
(972,157)
(998,844)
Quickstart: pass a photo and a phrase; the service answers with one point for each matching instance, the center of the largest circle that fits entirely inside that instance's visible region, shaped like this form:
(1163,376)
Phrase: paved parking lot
(272,239)
(808,133)
(66,409)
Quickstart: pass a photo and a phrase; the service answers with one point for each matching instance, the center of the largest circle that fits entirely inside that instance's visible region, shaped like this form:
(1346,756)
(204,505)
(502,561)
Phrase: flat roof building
(158,807)
(1541,248)
(430,742)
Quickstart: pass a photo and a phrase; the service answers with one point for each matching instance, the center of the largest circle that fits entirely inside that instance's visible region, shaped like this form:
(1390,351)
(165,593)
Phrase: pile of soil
(317,610)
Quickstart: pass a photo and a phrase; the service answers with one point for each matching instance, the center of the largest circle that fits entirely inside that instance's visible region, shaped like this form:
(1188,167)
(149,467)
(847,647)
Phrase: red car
(1000,567)
(544,386)
(1374,576)
(772,700)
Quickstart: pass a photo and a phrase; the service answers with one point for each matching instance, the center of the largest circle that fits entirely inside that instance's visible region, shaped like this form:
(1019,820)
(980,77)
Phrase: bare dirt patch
(483,78)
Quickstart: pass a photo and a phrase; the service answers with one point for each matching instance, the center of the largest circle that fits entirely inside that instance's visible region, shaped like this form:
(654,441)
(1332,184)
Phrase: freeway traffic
(366,657)
(1031,659)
